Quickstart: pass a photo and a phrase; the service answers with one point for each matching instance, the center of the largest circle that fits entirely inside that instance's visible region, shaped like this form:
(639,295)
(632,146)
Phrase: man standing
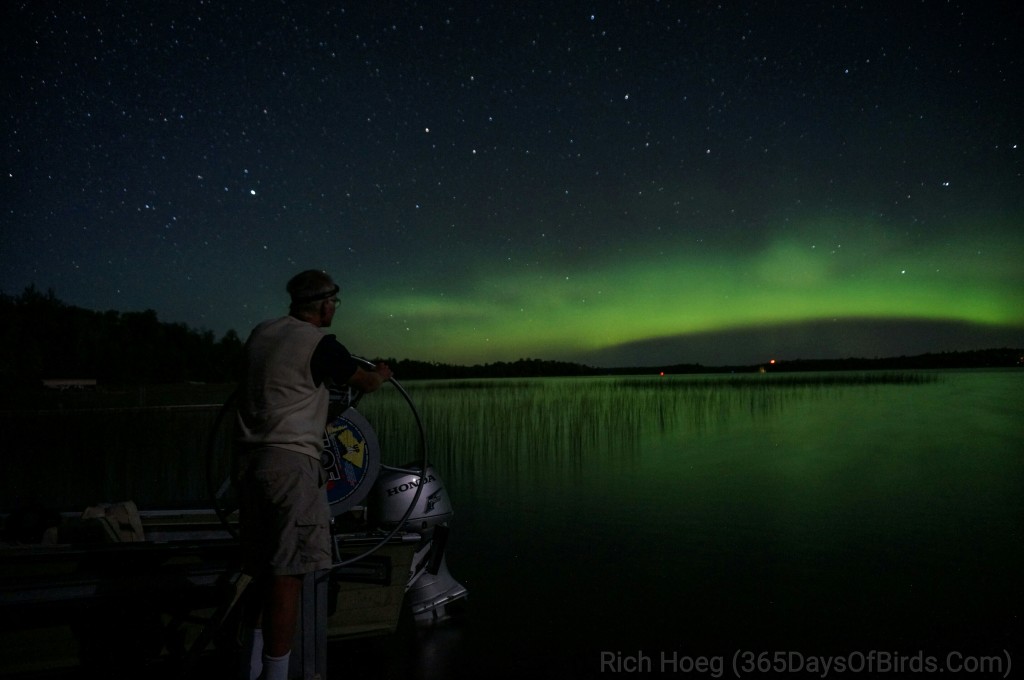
(282,411)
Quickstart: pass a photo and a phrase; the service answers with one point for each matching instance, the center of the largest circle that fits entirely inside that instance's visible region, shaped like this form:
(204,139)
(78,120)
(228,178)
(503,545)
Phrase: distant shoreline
(527,368)
(103,394)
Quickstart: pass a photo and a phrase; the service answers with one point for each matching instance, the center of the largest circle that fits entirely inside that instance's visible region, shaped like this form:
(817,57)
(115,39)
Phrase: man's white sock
(275,667)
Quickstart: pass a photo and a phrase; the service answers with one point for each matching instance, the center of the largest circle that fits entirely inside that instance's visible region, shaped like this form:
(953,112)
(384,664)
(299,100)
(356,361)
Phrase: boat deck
(139,597)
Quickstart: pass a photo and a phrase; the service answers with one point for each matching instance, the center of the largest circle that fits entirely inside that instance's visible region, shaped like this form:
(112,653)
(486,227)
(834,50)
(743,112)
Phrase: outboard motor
(390,497)
(431,588)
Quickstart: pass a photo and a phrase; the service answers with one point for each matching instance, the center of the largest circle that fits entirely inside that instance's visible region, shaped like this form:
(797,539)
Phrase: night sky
(614,183)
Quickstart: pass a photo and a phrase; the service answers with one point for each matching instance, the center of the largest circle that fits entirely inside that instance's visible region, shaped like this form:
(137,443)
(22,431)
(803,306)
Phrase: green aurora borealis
(569,312)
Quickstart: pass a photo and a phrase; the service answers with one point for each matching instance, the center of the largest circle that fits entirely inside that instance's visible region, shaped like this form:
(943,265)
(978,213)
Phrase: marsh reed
(157,456)
(499,424)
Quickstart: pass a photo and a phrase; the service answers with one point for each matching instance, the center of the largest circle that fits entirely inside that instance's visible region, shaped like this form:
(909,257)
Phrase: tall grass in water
(501,424)
(69,458)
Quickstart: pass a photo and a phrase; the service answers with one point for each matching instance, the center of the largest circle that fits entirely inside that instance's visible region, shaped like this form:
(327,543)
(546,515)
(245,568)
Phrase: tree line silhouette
(41,337)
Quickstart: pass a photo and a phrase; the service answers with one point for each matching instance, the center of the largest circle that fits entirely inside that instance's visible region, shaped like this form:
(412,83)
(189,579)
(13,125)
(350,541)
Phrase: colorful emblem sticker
(345,457)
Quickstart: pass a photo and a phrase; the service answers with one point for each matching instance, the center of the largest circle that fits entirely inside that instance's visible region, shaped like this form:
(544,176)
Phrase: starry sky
(614,183)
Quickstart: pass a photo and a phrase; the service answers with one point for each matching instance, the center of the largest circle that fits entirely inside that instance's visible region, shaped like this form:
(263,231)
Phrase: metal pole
(309,650)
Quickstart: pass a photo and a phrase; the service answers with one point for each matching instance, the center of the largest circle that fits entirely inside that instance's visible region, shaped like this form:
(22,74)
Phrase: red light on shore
(771,361)
(662,374)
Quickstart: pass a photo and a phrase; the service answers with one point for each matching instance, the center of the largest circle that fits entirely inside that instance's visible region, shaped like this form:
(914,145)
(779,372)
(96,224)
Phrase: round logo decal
(350,458)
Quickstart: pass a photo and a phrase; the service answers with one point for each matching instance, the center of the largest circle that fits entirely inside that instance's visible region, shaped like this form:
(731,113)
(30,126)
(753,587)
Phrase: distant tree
(227,356)
(41,337)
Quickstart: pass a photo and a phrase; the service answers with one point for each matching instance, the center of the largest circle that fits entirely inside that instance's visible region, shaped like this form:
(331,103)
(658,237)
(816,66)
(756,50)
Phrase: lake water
(672,525)
(678,525)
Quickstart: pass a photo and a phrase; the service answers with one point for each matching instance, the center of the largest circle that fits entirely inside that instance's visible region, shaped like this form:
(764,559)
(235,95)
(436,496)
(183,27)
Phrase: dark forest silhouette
(41,337)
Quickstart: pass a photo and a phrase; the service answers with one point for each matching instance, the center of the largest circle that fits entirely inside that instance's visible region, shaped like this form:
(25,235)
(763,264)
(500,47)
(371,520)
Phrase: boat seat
(113,522)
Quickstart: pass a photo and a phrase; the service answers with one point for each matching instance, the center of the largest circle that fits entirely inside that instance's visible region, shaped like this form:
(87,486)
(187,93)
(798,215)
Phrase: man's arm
(331,360)
(368,381)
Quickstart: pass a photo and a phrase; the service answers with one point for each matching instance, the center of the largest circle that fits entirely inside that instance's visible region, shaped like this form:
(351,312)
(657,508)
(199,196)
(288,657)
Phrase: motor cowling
(394,491)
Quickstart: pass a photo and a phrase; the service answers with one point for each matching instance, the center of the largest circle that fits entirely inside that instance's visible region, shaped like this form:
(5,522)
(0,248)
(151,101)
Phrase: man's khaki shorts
(284,514)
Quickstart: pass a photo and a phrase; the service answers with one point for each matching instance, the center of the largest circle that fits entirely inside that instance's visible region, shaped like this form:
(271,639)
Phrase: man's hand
(369,381)
(384,370)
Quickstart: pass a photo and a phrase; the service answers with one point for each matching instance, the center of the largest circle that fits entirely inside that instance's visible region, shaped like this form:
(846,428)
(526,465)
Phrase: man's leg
(279,619)
(281,614)
(250,656)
